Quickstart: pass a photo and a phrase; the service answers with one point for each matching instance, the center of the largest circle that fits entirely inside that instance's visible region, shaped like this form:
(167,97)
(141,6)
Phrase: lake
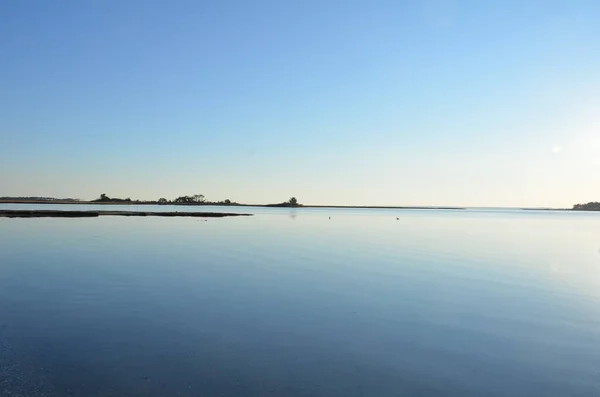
(289,302)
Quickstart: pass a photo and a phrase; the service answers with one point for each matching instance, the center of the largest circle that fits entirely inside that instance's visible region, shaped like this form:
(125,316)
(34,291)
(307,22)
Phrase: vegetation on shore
(196,199)
(591,206)
(200,199)
(292,202)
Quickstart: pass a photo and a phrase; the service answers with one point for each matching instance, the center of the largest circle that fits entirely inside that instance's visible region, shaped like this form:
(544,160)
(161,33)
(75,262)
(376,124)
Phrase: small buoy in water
(329,217)
(397,219)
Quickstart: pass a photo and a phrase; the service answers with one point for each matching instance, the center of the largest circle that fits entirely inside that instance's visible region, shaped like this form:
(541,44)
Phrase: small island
(292,202)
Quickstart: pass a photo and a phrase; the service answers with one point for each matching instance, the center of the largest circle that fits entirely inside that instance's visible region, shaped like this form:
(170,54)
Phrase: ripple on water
(18,378)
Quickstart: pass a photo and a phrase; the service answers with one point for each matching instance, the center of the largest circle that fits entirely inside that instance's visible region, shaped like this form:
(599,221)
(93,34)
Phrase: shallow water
(292,303)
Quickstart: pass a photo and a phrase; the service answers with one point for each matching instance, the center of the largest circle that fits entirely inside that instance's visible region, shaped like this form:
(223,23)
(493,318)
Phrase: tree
(198,198)
(162,200)
(195,199)
(591,206)
(104,197)
(292,202)
(184,199)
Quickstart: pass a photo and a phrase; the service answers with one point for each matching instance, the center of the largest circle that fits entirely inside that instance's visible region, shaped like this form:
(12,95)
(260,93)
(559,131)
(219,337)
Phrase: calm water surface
(292,303)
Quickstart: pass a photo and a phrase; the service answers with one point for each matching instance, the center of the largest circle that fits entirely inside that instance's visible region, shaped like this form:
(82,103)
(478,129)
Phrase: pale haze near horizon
(337,102)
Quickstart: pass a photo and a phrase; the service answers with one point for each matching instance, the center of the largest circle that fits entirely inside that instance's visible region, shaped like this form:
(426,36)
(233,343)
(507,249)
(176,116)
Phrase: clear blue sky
(479,103)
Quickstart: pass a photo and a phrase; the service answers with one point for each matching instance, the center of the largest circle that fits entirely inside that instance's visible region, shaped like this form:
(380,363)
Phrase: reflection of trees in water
(292,214)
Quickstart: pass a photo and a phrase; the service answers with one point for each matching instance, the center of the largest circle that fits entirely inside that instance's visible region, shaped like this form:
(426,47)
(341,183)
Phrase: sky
(347,102)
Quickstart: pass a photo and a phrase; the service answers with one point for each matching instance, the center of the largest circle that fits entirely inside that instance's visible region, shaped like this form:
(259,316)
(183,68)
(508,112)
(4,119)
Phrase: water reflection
(382,303)
(293,213)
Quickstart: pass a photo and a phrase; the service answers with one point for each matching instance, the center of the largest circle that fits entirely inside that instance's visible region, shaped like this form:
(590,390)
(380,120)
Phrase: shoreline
(451,208)
(61,202)
(547,209)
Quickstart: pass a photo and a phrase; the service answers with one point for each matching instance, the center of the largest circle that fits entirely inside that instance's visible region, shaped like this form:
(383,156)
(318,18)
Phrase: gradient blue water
(292,303)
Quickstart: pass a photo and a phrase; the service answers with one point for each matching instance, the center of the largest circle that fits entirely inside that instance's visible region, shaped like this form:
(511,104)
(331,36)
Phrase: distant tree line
(591,206)
(105,199)
(196,199)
